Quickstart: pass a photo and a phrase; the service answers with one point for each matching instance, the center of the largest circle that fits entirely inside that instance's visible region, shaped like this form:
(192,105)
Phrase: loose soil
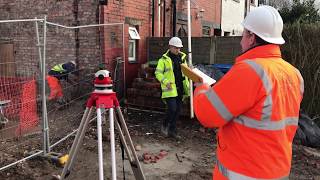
(192,157)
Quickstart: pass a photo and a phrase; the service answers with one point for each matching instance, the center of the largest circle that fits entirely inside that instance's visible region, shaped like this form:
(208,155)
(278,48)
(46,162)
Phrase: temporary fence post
(39,45)
(190,58)
(46,143)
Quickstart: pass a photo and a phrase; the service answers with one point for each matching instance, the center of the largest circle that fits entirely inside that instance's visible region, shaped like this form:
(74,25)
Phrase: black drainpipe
(174,17)
(76,31)
(164,19)
(245,7)
(152,26)
(220,17)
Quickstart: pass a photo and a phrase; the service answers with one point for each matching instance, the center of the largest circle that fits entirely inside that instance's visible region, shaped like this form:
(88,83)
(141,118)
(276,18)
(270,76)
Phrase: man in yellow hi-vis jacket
(174,85)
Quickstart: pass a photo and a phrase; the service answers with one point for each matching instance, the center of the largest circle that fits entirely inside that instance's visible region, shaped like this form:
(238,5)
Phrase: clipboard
(190,74)
(196,75)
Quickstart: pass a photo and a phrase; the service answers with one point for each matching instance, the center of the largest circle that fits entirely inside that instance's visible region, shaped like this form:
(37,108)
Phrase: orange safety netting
(28,114)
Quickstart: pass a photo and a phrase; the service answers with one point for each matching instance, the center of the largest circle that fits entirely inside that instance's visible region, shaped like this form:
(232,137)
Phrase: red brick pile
(154,157)
(146,92)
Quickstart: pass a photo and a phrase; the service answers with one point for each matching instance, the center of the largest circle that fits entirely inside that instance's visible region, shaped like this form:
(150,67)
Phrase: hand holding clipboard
(196,75)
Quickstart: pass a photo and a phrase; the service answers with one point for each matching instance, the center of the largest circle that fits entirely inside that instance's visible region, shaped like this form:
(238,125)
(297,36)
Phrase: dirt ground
(192,157)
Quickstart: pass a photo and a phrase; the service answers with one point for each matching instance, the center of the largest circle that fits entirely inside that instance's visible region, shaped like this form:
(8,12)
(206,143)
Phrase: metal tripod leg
(100,153)
(135,165)
(76,143)
(112,144)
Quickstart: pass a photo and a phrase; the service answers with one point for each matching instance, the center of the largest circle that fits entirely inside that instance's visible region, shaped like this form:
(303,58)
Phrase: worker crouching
(55,75)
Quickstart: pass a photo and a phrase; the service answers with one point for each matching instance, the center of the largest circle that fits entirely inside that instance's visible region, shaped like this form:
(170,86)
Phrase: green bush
(302,49)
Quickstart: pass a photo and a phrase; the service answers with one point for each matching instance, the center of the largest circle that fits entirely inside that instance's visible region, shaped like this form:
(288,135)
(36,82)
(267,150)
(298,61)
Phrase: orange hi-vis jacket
(256,108)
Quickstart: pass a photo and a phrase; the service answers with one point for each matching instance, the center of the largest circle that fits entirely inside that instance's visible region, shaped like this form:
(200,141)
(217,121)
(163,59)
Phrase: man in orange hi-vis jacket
(57,73)
(255,105)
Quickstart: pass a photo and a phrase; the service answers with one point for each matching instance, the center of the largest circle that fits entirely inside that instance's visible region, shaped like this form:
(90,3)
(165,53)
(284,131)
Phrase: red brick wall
(118,11)
(61,43)
(211,14)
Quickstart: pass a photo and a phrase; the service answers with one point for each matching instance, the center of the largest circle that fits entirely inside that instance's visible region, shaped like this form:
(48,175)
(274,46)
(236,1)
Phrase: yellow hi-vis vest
(164,74)
(58,68)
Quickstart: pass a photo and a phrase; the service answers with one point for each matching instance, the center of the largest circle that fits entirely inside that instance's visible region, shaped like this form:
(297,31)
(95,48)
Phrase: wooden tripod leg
(123,140)
(76,143)
(135,165)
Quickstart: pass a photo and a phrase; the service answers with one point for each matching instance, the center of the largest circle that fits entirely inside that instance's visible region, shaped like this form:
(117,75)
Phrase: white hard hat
(73,62)
(175,41)
(265,22)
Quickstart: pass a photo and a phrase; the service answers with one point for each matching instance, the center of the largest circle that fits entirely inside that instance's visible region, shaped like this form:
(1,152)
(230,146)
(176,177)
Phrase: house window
(206,31)
(217,32)
(133,41)
(262,2)
(132,50)
(182,31)
(133,33)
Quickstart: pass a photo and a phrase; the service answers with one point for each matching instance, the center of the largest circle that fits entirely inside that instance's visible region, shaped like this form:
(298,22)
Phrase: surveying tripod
(104,98)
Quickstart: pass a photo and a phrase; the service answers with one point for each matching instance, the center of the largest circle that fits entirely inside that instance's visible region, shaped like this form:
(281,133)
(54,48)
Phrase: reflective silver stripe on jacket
(163,71)
(266,125)
(216,102)
(231,175)
(167,90)
(267,84)
(200,92)
(158,71)
(163,79)
(167,69)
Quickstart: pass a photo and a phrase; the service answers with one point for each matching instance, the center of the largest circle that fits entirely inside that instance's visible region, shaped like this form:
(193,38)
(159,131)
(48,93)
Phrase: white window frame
(132,58)
(133,33)
(133,38)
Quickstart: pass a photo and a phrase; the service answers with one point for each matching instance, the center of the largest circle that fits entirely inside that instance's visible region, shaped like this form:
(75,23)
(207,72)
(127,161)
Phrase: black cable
(122,151)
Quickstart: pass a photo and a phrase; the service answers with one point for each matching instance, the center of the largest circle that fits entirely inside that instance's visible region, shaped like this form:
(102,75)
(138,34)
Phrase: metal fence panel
(20,111)
(24,47)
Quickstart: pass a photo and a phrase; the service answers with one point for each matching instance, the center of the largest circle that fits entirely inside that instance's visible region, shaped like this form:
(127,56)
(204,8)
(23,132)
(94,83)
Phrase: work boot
(164,131)
(174,135)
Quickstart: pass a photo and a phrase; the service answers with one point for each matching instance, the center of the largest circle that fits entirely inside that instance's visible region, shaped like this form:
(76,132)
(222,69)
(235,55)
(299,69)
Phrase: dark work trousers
(173,111)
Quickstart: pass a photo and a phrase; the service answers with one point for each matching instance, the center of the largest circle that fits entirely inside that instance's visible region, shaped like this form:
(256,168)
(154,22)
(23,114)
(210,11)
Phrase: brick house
(90,46)
(62,45)
(143,16)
